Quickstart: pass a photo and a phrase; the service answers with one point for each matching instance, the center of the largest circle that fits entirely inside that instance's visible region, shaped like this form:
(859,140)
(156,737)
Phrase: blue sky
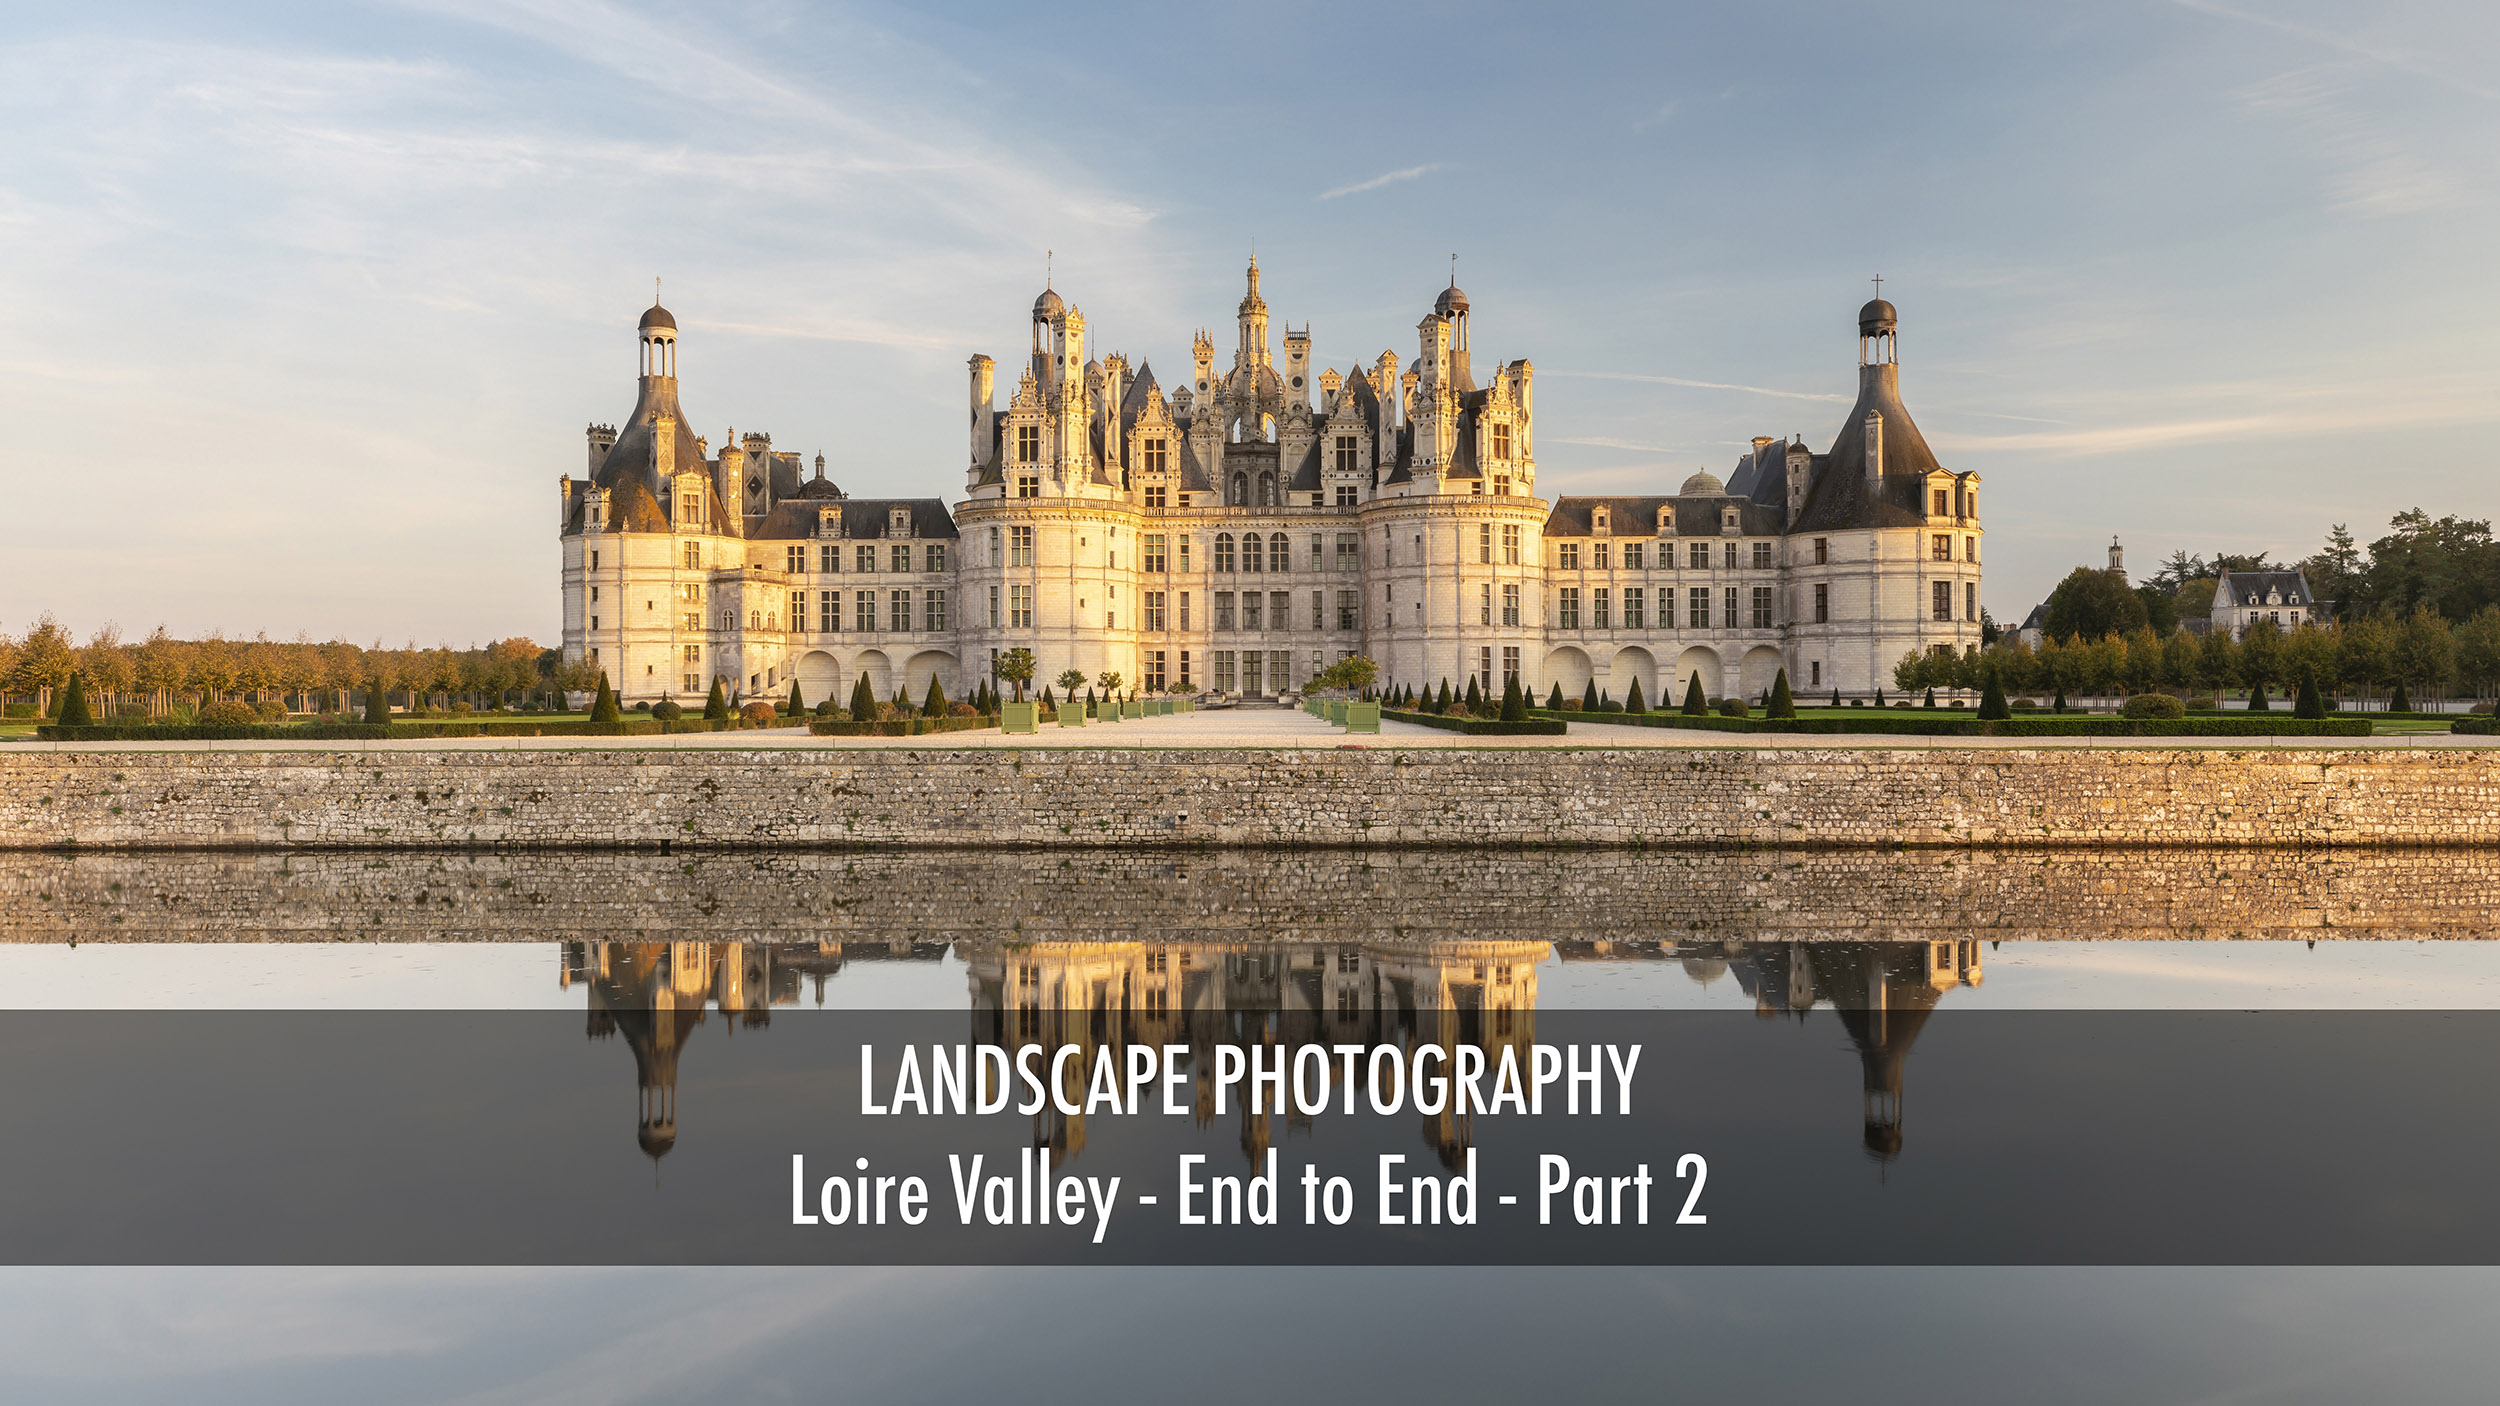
(306,307)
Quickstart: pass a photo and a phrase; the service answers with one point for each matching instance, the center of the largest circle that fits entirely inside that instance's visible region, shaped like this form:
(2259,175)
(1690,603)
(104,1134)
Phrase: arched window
(1239,497)
(1279,553)
(1250,557)
(1267,490)
(1223,551)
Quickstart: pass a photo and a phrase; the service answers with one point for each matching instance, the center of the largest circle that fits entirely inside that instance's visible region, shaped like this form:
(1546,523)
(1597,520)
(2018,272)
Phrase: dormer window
(1028,444)
(1597,521)
(1666,521)
(1157,455)
(1501,441)
(898,522)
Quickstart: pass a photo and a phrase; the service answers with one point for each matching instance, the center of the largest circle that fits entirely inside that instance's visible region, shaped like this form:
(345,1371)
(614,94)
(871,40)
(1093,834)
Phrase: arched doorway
(819,677)
(1634,663)
(1567,668)
(1702,661)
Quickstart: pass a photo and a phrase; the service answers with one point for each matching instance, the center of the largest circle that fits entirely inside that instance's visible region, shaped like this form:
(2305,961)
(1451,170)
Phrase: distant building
(2281,598)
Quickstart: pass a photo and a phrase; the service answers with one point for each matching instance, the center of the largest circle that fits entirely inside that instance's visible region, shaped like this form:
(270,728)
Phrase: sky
(305,308)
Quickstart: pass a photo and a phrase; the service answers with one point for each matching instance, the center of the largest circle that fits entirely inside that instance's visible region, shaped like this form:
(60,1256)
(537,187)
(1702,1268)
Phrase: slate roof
(1636,517)
(863,518)
(2247,588)
(1839,498)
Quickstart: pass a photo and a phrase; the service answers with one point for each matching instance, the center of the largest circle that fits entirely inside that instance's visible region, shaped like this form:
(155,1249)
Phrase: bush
(667,711)
(1483,727)
(74,711)
(757,714)
(2204,705)
(225,714)
(716,703)
(1992,700)
(2153,705)
(603,708)
(2475,727)
(1734,708)
(21,710)
(826,709)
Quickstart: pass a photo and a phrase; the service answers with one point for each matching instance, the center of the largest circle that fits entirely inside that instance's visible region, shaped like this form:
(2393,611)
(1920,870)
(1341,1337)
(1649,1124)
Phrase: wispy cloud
(2289,410)
(2399,59)
(1596,443)
(1702,385)
(1386,178)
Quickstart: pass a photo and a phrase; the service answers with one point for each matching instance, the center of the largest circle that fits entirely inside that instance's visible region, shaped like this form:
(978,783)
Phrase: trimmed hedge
(368,732)
(2262,725)
(1547,726)
(2476,727)
(897,727)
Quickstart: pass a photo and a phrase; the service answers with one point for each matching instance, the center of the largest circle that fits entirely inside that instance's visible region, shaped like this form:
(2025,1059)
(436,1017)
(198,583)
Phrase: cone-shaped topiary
(1835,695)
(1632,700)
(603,708)
(1553,700)
(378,702)
(2400,701)
(74,703)
(1089,700)
(1049,704)
(2257,698)
(1879,695)
(935,704)
(1783,705)
(1475,696)
(1695,705)
(863,700)
(2058,704)
(716,704)
(1931,698)
(2309,704)
(1444,705)
(1515,701)
(797,706)
(1992,700)
(1588,698)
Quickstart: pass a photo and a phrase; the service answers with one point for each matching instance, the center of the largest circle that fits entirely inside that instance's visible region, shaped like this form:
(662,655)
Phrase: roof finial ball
(1878,324)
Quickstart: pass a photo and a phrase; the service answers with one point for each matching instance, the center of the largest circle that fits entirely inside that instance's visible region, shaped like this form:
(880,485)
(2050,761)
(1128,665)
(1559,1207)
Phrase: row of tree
(306,675)
(2421,653)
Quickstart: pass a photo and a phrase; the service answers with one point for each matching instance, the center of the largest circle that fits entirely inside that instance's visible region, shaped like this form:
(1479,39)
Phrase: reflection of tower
(1883,993)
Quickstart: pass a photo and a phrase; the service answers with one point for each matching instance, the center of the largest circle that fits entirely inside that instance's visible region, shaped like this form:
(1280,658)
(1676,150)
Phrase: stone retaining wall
(1586,897)
(1375,797)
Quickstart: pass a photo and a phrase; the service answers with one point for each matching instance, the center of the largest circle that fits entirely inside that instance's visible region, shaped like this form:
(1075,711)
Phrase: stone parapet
(1365,797)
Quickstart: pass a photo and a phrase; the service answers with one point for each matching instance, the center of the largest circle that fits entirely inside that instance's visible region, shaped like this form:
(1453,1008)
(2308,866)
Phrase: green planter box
(1336,712)
(1072,715)
(1362,717)
(1019,717)
(1132,710)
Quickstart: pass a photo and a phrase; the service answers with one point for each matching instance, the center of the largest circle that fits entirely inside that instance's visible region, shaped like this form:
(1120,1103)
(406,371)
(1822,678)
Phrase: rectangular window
(1632,556)
(798,610)
(1183,544)
(1346,453)
(934,557)
(1028,485)
(1510,665)
(1944,503)
(1940,547)
(828,558)
(1762,607)
(1154,671)
(1280,609)
(864,617)
(1697,608)
(993,607)
(1019,546)
(901,558)
(1185,683)
(1727,615)
(1348,495)
(1727,556)
(1349,610)
(1184,617)
(1940,600)
(1028,445)
(1970,549)
(1253,611)
(865,558)
(1154,610)
(1970,603)
(898,612)
(1223,559)
(1223,610)
(1822,551)
(1814,672)
(828,612)
(1501,485)
(1510,606)
(1484,604)
(1484,669)
(1598,556)
(933,615)
(794,560)
(1253,666)
(1484,543)
(1319,610)
(1822,604)
(1019,607)
(1510,544)
(1597,608)
(1761,556)
(1155,495)
(1567,612)
(694,683)
(1349,549)
(1158,460)
(1224,677)
(1279,553)
(1501,441)
(1635,603)
(1697,555)
(1567,555)
(1154,554)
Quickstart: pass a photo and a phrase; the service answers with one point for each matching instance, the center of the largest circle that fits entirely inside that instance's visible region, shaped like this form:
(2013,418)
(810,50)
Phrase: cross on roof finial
(1046,268)
(1879,285)
(655,290)
(1453,270)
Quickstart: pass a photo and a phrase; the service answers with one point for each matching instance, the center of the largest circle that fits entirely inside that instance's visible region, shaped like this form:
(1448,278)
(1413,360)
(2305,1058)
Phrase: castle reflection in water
(1096,994)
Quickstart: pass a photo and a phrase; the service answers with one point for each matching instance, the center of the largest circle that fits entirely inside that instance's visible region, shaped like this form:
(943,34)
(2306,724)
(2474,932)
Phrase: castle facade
(1249,526)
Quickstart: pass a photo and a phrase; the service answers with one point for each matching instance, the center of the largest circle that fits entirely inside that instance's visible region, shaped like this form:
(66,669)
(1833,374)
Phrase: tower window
(1158,456)
(1348,454)
(1028,444)
(1028,486)
(1501,444)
